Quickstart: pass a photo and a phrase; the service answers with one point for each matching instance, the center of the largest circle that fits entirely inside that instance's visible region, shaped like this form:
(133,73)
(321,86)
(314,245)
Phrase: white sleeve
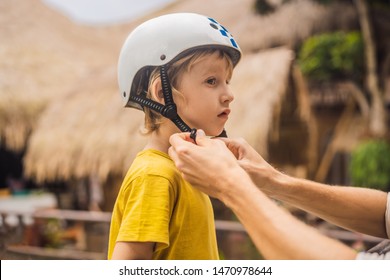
(385,252)
(387,216)
(372,256)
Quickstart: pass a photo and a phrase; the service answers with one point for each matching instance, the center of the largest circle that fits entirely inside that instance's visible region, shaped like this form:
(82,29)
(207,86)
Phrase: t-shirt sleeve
(148,206)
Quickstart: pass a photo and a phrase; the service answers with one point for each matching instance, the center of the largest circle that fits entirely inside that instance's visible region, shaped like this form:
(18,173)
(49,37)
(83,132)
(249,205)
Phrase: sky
(104,12)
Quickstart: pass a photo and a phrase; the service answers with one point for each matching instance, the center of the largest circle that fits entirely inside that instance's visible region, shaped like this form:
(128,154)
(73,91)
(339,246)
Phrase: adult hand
(209,165)
(242,150)
(260,171)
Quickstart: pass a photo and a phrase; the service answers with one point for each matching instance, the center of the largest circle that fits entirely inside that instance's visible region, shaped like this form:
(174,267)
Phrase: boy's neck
(159,139)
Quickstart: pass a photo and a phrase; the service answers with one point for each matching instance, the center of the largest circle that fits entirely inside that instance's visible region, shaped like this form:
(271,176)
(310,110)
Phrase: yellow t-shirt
(155,204)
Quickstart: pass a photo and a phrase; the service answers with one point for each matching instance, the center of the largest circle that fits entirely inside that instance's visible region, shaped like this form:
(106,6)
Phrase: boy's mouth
(224,114)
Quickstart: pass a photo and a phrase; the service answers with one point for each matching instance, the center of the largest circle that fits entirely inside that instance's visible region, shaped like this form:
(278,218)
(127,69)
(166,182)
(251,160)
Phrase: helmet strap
(169,110)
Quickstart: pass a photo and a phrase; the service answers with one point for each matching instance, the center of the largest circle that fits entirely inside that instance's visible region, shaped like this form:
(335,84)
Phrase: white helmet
(160,40)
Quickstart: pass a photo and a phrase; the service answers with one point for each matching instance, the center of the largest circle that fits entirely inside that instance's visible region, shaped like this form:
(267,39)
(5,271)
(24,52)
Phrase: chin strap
(169,110)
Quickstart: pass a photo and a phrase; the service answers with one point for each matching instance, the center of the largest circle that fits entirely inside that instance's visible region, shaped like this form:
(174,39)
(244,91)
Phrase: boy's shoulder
(153,163)
(152,157)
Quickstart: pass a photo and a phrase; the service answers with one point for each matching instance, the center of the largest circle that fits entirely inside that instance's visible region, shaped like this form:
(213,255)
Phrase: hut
(342,119)
(292,22)
(43,55)
(85,135)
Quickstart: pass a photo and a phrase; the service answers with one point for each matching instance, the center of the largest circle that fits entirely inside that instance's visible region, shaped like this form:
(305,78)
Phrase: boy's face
(207,95)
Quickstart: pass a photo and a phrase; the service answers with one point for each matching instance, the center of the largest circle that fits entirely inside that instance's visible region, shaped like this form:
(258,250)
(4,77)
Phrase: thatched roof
(87,131)
(42,56)
(259,83)
(287,26)
(293,22)
(84,132)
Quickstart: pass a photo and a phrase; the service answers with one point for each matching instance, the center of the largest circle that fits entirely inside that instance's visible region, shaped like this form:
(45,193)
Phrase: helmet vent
(214,26)
(124,94)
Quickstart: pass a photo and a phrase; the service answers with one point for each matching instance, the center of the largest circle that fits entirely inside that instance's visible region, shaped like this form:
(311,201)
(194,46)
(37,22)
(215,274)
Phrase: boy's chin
(223,133)
(216,132)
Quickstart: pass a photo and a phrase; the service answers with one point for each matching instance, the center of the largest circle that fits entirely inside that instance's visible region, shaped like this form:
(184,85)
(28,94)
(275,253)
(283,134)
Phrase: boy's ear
(157,92)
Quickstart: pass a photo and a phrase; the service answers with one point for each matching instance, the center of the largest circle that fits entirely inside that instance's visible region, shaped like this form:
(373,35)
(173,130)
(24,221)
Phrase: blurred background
(312,95)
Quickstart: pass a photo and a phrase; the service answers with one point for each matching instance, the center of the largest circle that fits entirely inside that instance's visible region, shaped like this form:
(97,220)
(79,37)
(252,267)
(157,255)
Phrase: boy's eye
(211,81)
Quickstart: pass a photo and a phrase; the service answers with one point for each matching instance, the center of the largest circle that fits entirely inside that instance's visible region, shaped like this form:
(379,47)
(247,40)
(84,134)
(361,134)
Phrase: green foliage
(370,165)
(332,56)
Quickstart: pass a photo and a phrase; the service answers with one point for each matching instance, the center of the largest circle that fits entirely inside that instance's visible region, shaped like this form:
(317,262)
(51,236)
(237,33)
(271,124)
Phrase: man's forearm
(357,209)
(275,232)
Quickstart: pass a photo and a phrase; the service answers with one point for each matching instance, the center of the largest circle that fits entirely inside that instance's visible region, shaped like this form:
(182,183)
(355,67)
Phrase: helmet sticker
(224,32)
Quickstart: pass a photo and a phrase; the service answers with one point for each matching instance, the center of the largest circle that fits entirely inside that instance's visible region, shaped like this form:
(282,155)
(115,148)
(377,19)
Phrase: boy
(176,68)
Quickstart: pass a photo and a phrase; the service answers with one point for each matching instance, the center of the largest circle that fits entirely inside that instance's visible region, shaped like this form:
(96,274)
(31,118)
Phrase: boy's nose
(227,96)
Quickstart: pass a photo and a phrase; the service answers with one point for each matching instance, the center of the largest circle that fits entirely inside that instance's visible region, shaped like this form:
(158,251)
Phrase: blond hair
(175,71)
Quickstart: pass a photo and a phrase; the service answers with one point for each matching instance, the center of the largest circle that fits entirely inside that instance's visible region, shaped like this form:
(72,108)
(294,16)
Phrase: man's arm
(275,232)
(354,208)
(357,209)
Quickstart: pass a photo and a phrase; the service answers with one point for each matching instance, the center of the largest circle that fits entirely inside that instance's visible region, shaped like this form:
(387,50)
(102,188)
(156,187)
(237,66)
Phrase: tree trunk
(377,123)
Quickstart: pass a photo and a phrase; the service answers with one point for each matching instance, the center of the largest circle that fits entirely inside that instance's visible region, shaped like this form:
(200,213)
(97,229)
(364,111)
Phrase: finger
(231,144)
(201,138)
(227,141)
(179,138)
(201,133)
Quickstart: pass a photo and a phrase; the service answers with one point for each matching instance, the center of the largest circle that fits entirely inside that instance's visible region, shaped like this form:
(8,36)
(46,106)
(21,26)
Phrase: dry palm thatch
(259,83)
(293,22)
(85,132)
(287,26)
(42,56)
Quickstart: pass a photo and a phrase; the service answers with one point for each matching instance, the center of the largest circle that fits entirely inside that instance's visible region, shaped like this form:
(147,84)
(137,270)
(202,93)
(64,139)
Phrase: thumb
(200,133)
(200,136)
